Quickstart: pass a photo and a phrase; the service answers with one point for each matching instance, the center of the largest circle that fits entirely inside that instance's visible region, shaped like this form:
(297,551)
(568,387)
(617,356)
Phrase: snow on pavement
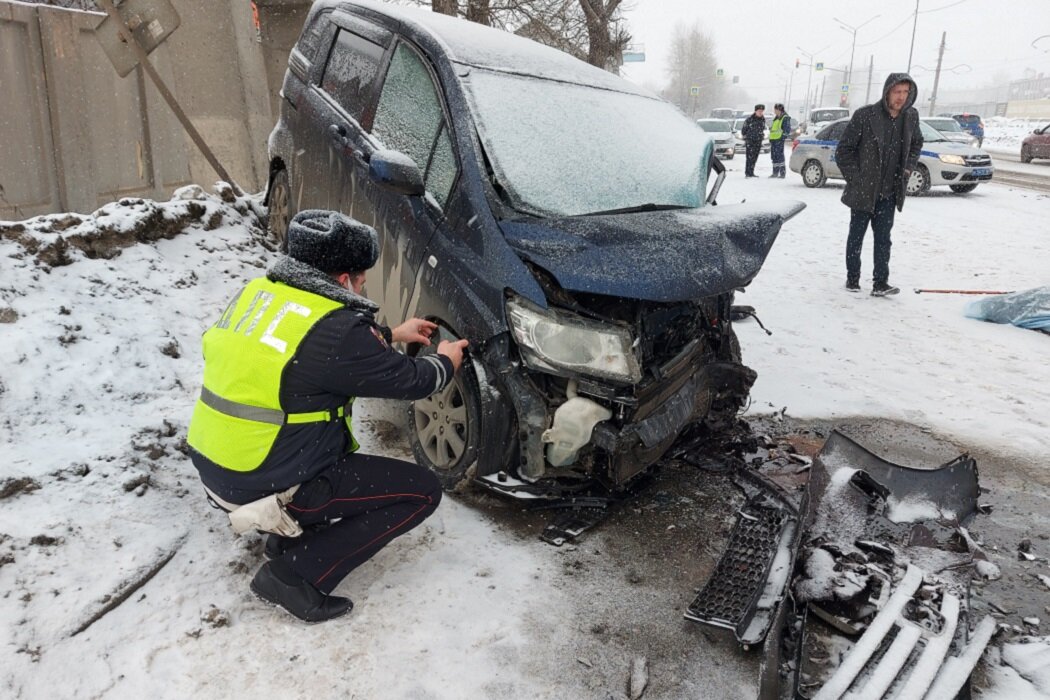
(102,367)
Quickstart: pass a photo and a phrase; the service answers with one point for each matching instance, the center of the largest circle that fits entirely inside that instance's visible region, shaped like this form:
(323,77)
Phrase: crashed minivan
(557,216)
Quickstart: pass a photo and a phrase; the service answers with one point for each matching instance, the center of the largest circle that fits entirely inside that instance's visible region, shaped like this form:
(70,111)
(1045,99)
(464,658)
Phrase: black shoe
(774,175)
(883,289)
(852,285)
(274,584)
(782,174)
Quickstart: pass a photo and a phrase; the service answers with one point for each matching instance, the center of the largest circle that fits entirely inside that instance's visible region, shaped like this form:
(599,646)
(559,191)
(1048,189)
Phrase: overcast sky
(757,39)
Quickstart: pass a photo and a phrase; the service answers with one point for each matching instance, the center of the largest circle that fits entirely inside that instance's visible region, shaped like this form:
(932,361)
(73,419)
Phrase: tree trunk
(445,7)
(479,11)
(603,48)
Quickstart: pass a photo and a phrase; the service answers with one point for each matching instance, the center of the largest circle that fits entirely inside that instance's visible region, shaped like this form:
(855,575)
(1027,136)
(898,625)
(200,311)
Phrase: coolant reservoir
(574,421)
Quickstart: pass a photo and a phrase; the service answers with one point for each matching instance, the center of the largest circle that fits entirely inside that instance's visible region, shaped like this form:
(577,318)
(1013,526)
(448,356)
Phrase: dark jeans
(776,153)
(751,152)
(374,499)
(881,223)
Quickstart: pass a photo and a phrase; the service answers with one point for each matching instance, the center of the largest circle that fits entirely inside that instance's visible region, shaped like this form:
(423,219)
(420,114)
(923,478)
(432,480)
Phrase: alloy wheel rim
(812,174)
(441,425)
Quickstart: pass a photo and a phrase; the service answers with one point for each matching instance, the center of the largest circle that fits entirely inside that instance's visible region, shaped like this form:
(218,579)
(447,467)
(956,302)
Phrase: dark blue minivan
(557,216)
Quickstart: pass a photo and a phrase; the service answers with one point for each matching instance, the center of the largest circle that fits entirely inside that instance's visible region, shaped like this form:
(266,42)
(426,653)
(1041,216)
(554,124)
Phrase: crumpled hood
(663,256)
(891,80)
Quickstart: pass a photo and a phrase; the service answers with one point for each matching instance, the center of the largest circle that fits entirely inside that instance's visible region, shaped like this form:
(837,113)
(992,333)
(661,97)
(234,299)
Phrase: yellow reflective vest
(238,416)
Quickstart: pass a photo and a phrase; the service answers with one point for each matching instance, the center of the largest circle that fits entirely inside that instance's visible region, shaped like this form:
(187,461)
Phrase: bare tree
(692,71)
(606,36)
(595,33)
(445,7)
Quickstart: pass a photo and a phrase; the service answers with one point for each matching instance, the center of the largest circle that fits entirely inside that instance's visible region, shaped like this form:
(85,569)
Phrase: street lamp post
(809,79)
(853,47)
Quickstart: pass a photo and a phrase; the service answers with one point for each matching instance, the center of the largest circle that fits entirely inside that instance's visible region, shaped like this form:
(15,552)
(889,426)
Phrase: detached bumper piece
(883,581)
(751,577)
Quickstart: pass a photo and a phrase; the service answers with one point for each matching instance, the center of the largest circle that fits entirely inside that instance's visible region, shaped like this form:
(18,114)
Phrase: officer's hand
(414,330)
(453,350)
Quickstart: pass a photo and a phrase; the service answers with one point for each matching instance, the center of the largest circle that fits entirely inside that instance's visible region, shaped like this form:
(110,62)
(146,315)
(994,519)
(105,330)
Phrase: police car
(941,162)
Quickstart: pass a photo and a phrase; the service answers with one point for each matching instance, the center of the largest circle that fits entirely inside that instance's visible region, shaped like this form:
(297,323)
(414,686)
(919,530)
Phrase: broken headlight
(560,342)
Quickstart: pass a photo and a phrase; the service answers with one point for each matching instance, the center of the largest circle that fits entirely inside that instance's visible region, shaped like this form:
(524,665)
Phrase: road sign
(634,57)
(845,88)
(736,79)
(694,90)
(150,22)
(819,66)
(720,73)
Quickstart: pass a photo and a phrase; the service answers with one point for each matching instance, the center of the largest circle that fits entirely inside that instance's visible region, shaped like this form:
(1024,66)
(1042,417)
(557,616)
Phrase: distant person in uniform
(876,154)
(754,132)
(779,132)
(271,435)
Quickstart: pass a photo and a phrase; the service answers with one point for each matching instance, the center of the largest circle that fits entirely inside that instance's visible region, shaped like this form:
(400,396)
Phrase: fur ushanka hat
(332,242)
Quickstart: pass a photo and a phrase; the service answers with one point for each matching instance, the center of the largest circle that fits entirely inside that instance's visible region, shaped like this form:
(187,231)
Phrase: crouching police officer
(271,435)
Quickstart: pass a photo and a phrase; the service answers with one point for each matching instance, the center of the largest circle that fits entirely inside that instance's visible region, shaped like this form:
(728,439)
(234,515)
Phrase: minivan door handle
(338,133)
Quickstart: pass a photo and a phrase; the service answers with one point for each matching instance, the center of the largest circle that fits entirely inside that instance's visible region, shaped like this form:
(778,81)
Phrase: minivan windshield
(562,149)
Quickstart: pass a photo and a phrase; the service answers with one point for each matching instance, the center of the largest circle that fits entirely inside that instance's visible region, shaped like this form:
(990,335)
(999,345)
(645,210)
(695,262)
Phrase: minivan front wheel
(445,427)
(813,174)
(279,211)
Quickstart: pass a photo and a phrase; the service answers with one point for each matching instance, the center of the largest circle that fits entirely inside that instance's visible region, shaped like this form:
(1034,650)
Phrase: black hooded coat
(859,153)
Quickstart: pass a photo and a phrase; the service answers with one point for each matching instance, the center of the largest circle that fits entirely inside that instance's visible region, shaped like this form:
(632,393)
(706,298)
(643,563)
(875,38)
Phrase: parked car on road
(941,162)
(951,130)
(973,124)
(1036,145)
(721,132)
(722,113)
(821,117)
(552,213)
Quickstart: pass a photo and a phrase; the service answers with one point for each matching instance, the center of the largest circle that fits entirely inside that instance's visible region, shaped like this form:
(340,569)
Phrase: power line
(906,20)
(945,7)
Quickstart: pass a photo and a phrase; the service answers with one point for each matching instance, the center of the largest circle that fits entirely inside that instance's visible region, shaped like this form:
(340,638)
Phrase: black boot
(853,284)
(277,584)
(276,546)
(883,289)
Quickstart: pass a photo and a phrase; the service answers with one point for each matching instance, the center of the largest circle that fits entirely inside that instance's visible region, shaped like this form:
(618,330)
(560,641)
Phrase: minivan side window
(409,119)
(312,34)
(351,71)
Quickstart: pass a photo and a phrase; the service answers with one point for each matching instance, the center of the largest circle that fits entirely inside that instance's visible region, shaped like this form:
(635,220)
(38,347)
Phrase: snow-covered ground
(117,580)
(1002,133)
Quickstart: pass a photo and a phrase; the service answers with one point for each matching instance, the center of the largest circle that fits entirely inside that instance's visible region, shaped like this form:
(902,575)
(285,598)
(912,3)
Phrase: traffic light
(796,63)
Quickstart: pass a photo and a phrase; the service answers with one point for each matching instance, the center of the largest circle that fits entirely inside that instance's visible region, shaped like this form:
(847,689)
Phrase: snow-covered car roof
(473,44)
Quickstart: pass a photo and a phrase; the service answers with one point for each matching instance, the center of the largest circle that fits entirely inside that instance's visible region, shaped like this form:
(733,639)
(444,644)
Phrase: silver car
(951,130)
(721,132)
(941,162)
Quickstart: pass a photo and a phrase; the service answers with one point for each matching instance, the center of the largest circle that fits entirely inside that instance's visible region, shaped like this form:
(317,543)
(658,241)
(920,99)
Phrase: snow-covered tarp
(1026,309)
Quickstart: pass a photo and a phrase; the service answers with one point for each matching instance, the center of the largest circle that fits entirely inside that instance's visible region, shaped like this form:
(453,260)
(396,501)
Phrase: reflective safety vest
(775,132)
(238,416)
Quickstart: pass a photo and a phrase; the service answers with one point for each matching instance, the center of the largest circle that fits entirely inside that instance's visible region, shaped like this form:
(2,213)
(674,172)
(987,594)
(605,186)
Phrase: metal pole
(823,82)
(871,69)
(791,80)
(129,38)
(913,26)
(937,75)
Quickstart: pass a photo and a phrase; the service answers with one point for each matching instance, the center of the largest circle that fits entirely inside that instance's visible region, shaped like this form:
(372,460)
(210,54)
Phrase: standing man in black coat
(753,131)
(876,155)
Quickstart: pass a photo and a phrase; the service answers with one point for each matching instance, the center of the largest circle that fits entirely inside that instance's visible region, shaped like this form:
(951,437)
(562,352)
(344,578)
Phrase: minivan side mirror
(396,172)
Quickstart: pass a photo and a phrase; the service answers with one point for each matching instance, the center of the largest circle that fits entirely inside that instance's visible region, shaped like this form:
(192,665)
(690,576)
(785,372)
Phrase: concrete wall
(73,135)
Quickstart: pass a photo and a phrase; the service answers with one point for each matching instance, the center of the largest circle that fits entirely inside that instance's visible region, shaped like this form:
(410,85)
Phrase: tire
(963,189)
(1026,157)
(445,427)
(279,210)
(919,182)
(813,174)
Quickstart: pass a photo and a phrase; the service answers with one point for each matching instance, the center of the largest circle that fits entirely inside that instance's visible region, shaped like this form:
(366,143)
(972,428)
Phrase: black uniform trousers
(752,149)
(372,501)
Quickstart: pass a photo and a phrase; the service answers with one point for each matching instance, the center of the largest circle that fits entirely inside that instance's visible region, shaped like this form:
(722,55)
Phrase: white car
(951,130)
(820,118)
(941,162)
(721,132)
